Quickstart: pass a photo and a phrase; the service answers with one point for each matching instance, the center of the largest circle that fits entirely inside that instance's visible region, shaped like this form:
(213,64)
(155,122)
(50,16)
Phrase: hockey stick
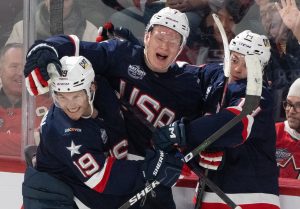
(253,94)
(226,70)
(226,55)
(56,17)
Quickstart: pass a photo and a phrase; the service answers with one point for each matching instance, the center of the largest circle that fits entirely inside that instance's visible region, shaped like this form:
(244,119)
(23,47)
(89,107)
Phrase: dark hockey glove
(108,31)
(41,61)
(105,32)
(168,137)
(162,167)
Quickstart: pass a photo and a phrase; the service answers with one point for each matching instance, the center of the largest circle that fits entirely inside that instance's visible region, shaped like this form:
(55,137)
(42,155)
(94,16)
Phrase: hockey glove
(162,167)
(211,160)
(41,59)
(108,31)
(165,138)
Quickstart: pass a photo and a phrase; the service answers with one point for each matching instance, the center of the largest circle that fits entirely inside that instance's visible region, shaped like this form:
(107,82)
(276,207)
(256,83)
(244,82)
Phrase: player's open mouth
(73,110)
(161,57)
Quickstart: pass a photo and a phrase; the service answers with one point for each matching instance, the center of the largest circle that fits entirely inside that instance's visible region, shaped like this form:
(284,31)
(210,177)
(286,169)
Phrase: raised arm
(290,15)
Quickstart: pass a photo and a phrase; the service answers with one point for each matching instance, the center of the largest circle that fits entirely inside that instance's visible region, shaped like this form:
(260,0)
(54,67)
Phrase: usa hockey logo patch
(135,72)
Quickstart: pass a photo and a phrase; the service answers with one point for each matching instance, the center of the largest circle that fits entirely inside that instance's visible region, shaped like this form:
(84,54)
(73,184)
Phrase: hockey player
(72,146)
(246,169)
(288,135)
(146,78)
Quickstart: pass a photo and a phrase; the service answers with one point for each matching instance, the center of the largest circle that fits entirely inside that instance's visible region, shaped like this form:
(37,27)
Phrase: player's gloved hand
(41,61)
(212,160)
(162,167)
(108,31)
(167,137)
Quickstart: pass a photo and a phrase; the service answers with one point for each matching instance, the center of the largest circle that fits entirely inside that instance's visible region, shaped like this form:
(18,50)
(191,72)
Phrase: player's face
(162,46)
(238,68)
(11,72)
(74,104)
(292,114)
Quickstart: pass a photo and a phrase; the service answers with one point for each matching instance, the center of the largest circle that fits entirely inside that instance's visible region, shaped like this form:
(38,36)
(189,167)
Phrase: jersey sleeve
(212,82)
(202,128)
(68,158)
(99,54)
(251,127)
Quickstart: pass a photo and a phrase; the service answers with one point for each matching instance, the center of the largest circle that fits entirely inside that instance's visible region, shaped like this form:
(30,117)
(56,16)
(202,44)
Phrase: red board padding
(286,186)
(289,186)
(12,165)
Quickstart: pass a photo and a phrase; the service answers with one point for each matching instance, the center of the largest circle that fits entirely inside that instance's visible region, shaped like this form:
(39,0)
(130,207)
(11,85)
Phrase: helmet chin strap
(91,105)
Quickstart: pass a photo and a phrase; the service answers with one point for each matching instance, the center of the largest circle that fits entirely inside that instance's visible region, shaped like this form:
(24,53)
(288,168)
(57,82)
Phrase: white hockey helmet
(251,43)
(77,74)
(171,18)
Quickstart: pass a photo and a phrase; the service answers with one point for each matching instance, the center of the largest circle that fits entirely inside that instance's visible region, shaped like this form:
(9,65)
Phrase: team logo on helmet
(135,72)
(266,42)
(64,73)
(83,63)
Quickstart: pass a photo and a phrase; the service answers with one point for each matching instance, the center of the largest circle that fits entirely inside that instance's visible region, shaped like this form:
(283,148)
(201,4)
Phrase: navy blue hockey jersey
(185,90)
(73,151)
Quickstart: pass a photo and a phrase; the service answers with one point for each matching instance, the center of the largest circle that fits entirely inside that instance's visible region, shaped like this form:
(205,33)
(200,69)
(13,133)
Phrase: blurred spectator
(284,66)
(11,73)
(210,44)
(137,16)
(252,20)
(288,135)
(74,23)
(99,11)
(193,12)
(9,14)
(290,14)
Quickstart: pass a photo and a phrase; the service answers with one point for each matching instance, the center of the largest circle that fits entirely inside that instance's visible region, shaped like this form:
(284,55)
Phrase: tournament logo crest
(135,72)
(104,136)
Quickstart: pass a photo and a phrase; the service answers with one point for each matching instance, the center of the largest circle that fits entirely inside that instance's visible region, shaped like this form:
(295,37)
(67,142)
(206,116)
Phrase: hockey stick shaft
(212,186)
(226,70)
(225,45)
(56,17)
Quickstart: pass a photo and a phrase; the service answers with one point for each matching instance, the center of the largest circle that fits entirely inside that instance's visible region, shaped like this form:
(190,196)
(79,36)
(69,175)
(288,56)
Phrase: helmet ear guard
(248,43)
